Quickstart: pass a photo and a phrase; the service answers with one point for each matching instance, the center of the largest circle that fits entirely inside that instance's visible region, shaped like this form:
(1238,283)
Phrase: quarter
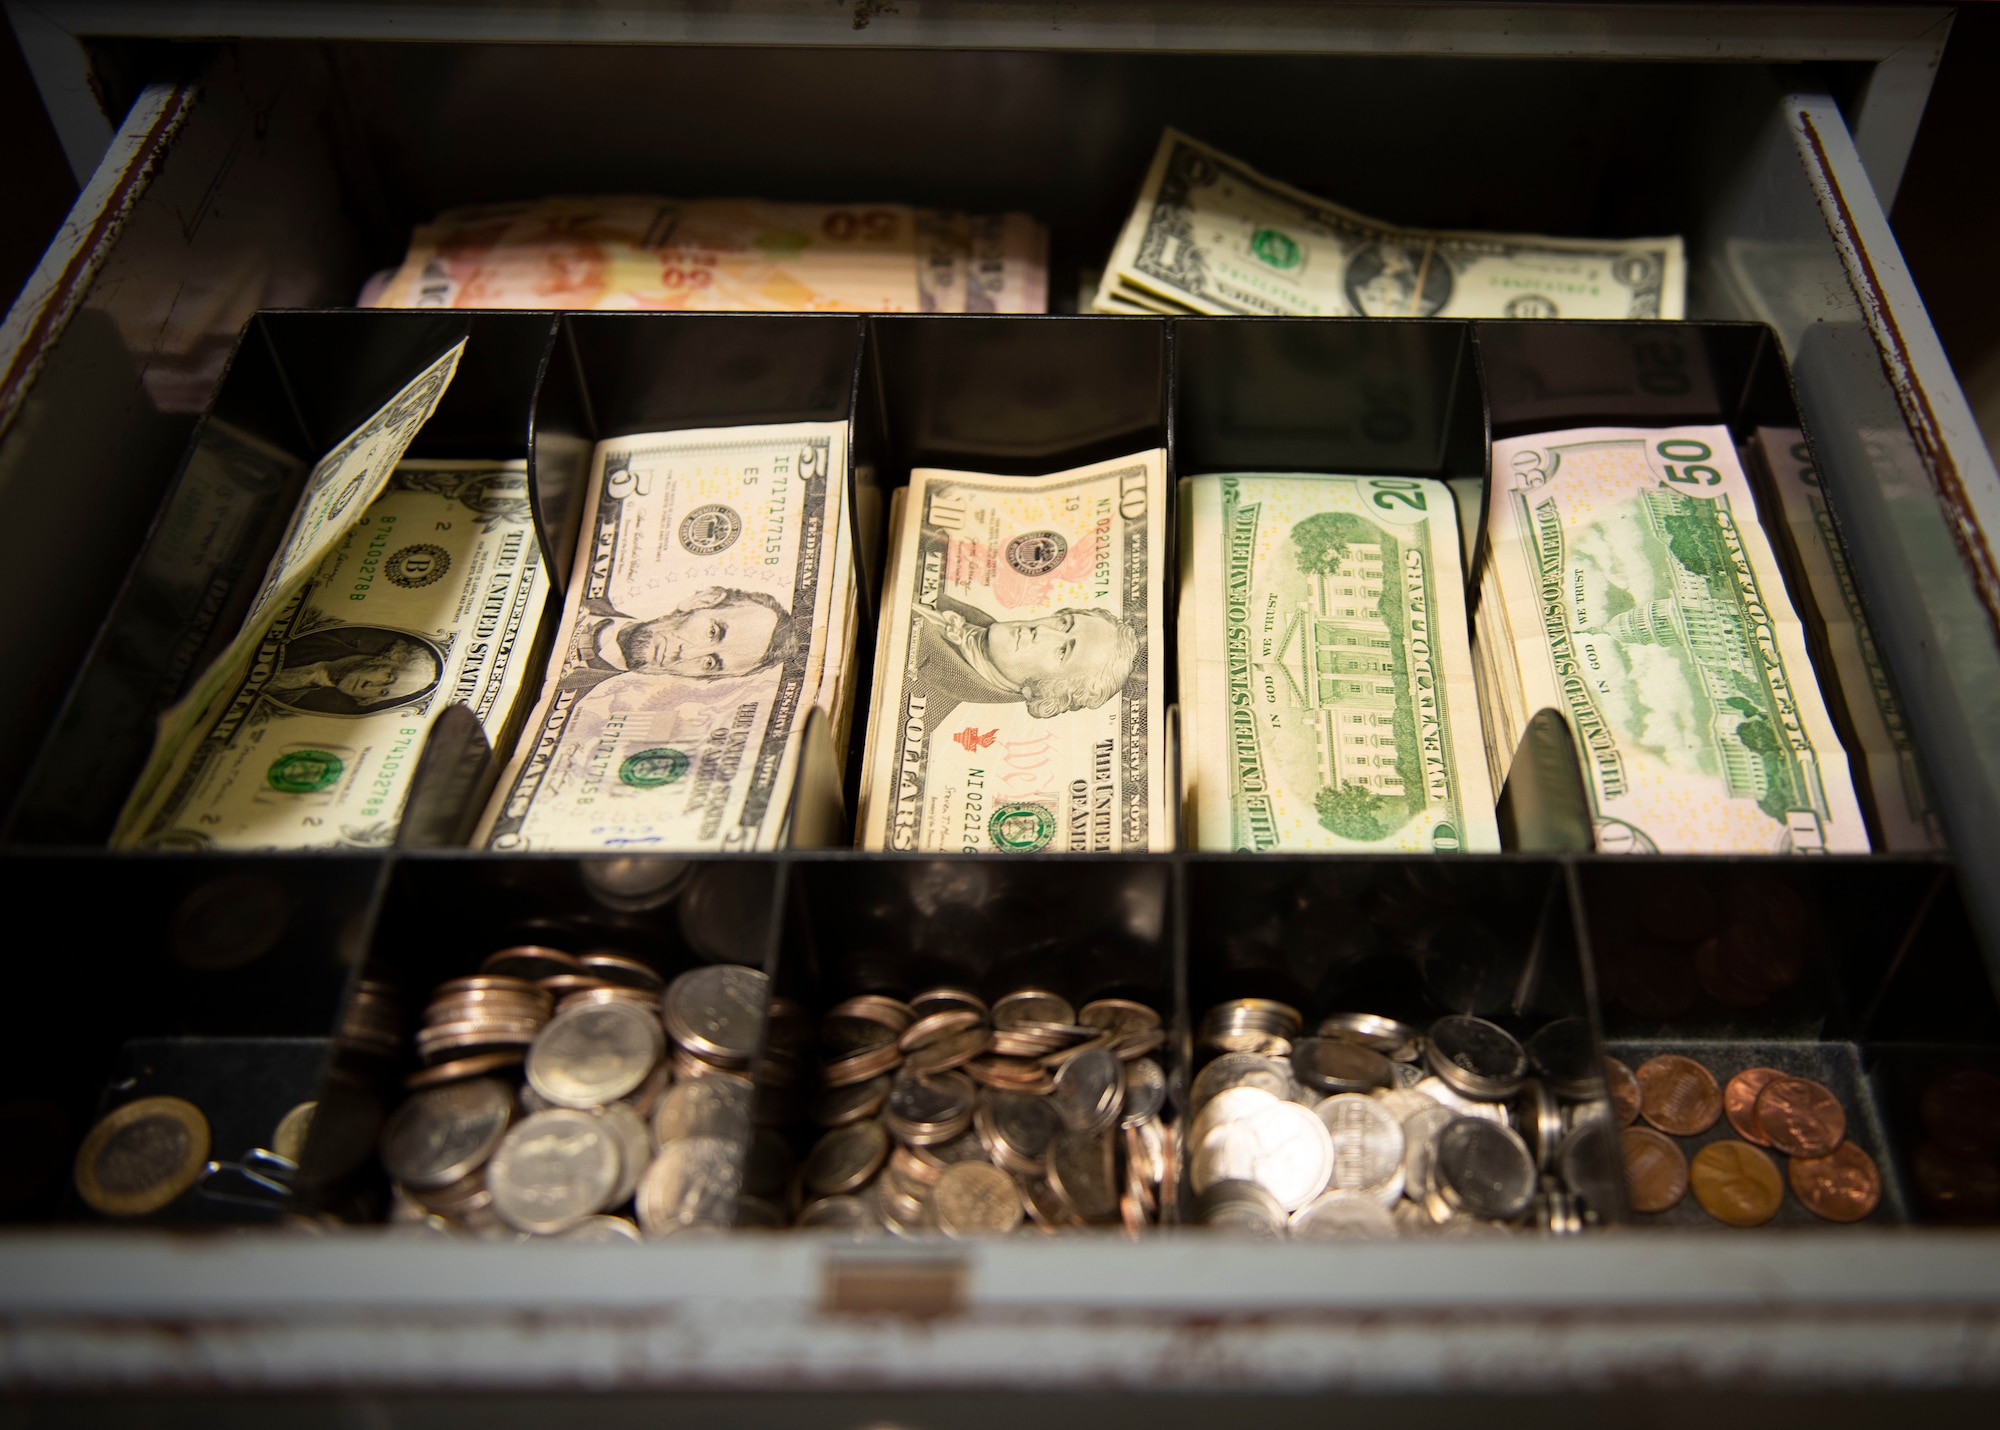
(553,1169)
(594,1053)
(976,1199)
(441,1134)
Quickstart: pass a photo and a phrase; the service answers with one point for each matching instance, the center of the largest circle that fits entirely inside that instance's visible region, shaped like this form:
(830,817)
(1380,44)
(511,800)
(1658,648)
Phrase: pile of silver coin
(945,1115)
(632,1092)
(1369,1128)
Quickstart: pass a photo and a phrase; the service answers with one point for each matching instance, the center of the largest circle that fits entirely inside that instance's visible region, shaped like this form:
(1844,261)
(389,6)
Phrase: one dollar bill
(1632,588)
(432,597)
(705,617)
(1327,696)
(1020,701)
(1210,234)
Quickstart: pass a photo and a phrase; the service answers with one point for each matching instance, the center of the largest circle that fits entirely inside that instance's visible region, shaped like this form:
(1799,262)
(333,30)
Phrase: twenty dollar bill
(1327,697)
(1020,700)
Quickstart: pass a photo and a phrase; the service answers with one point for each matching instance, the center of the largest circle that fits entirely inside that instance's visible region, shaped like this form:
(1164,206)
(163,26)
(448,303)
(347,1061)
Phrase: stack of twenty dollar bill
(1630,585)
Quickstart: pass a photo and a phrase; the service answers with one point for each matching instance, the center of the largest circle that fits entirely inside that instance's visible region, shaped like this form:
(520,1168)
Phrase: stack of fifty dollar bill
(711,610)
(1630,585)
(1209,234)
(401,587)
(721,255)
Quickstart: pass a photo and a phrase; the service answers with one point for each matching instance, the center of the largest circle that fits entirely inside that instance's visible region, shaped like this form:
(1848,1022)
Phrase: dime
(441,1134)
(950,1051)
(849,1214)
(1145,1091)
(1481,1169)
(1344,1216)
(1089,1090)
(976,1199)
(692,1185)
(1367,1146)
(1330,1065)
(289,1138)
(635,1150)
(1563,1053)
(1842,1186)
(1244,1208)
(1032,1005)
(1624,1091)
(859,1026)
(616,968)
(934,1026)
(1081,1176)
(142,1156)
(717,1013)
(553,1169)
(928,1110)
(844,1159)
(838,1106)
(1384,1035)
(1475,1057)
(1280,1145)
(1678,1095)
(1800,1117)
(1739,1102)
(1736,1184)
(863,1066)
(1240,1070)
(526,963)
(591,1055)
(704,1107)
(1656,1171)
(1121,1017)
(1961,1111)
(941,1000)
(600,1231)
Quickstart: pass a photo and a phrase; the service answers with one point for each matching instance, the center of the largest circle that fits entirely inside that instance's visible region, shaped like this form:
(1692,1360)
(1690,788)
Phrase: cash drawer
(251,984)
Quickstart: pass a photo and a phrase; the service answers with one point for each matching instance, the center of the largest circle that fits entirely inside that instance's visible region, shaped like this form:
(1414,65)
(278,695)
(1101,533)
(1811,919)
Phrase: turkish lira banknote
(1630,585)
(1209,234)
(341,486)
(710,606)
(1905,809)
(1020,698)
(1327,697)
(721,255)
(432,597)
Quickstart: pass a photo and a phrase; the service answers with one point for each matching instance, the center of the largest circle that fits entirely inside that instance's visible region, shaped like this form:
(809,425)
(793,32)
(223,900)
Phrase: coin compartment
(1859,973)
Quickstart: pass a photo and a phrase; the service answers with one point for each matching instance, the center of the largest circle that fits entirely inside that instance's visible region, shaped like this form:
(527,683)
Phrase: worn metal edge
(69,265)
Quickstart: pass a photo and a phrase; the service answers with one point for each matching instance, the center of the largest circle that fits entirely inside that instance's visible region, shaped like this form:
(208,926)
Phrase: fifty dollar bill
(1327,697)
(1209,234)
(1020,700)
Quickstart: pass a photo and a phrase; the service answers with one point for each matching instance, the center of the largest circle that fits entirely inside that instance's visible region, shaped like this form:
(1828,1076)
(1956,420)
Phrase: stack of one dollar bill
(1327,695)
(1019,699)
(1209,234)
(721,255)
(1906,813)
(1630,586)
(711,609)
(401,588)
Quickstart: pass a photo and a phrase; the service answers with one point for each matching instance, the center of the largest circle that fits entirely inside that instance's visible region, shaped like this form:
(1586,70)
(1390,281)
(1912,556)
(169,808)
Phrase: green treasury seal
(304,772)
(1021,828)
(649,769)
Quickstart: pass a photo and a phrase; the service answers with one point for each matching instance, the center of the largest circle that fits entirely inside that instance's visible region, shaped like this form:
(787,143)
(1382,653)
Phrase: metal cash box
(1895,987)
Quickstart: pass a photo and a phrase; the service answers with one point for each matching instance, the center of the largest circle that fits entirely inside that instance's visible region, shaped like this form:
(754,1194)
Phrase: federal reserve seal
(414,566)
(649,769)
(1036,553)
(1021,828)
(709,529)
(304,772)
(1276,248)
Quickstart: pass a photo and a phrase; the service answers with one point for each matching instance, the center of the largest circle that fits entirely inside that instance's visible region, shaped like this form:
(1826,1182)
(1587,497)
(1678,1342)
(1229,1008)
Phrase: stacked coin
(635,1093)
(1733,1179)
(944,1114)
(1368,1128)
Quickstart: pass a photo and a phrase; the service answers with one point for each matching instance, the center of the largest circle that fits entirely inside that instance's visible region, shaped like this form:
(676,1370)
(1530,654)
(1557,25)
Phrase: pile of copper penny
(1735,1179)
(1672,943)
(1956,1167)
(943,1114)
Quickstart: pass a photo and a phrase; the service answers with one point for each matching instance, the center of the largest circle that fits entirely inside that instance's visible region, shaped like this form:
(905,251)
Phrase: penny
(1736,1184)
(142,1156)
(1624,1090)
(588,1056)
(691,1186)
(288,1139)
(1032,1005)
(1678,1095)
(441,1134)
(1089,1090)
(1343,1216)
(1481,1169)
(976,1199)
(553,1169)
(1800,1117)
(1961,1111)
(1739,1102)
(717,1013)
(1841,1186)
(1330,1065)
(1478,1058)
(844,1159)
(1656,1171)
(703,1107)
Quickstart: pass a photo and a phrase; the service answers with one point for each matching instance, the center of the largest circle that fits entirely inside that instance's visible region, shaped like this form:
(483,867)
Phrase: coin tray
(1005,395)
